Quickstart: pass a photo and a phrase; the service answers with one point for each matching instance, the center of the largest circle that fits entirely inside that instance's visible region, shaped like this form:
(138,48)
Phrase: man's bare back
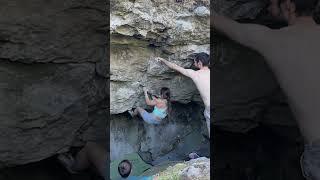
(294,57)
(201,78)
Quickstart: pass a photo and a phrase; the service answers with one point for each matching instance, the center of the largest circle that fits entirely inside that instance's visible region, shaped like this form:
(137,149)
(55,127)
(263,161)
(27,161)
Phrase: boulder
(197,169)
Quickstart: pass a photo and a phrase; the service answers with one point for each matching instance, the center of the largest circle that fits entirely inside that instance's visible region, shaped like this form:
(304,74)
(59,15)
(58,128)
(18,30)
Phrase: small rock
(202,11)
(197,169)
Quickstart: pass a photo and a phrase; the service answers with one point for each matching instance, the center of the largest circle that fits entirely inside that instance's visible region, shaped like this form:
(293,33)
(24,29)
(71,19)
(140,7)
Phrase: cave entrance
(172,141)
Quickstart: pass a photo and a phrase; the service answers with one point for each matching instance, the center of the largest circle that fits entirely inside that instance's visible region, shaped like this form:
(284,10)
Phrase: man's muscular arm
(186,72)
(251,35)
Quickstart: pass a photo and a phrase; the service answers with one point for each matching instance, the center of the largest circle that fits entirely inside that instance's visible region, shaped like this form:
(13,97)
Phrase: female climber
(161,107)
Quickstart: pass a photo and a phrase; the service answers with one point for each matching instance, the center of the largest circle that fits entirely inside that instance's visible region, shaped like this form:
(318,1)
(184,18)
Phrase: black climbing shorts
(310,161)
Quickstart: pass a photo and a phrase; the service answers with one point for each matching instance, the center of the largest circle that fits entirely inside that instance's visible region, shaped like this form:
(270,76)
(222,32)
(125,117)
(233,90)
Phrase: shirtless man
(294,56)
(201,78)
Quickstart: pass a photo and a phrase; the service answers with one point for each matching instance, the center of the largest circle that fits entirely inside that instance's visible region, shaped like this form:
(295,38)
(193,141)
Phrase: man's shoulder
(202,73)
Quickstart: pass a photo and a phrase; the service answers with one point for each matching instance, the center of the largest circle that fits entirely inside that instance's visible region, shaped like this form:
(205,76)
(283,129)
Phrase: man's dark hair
(305,7)
(316,14)
(124,168)
(204,58)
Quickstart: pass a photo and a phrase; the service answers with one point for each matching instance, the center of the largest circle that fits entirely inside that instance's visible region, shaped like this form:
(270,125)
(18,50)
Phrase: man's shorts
(149,118)
(310,161)
(206,114)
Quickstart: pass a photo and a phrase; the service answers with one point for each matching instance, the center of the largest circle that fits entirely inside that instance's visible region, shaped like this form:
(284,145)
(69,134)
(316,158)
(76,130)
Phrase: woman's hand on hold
(145,89)
(159,59)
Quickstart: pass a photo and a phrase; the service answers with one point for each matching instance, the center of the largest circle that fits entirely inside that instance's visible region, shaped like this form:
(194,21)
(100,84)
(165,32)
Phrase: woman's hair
(124,168)
(165,93)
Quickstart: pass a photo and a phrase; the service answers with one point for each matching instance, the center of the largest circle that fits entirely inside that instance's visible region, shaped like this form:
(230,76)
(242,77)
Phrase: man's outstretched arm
(251,35)
(186,72)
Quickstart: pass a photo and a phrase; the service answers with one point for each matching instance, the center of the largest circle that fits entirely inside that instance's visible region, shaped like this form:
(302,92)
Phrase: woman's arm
(146,96)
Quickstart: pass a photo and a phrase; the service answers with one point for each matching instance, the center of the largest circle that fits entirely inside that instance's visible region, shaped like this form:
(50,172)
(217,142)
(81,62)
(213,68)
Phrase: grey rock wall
(240,9)
(52,76)
(142,30)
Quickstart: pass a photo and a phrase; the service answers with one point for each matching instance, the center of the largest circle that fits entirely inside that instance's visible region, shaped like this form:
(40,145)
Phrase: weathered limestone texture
(144,29)
(194,169)
(141,30)
(240,9)
(53,81)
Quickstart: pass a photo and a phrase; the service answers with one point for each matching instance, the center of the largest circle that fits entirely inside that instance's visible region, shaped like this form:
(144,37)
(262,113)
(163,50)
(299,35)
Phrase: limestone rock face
(142,30)
(52,76)
(240,9)
(196,169)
